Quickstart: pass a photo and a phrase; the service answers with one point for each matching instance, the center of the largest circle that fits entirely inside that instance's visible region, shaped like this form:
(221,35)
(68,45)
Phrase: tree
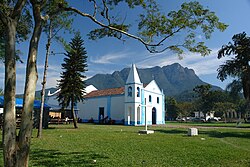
(171,107)
(238,66)
(23,28)
(55,24)
(10,15)
(242,109)
(192,16)
(185,109)
(234,89)
(16,152)
(224,107)
(71,83)
(154,25)
(208,98)
(202,103)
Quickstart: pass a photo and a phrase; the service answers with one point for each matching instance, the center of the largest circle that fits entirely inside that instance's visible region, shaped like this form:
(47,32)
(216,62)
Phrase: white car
(179,119)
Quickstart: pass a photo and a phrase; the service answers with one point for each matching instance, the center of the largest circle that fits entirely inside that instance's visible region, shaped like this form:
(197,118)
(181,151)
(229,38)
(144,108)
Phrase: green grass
(207,124)
(114,145)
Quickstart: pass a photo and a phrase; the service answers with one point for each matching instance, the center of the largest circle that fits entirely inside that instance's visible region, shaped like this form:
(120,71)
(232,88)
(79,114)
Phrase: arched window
(150,98)
(130,91)
(138,92)
(158,100)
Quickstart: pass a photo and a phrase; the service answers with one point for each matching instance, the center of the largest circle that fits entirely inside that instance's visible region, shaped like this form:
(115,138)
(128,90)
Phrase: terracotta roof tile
(105,92)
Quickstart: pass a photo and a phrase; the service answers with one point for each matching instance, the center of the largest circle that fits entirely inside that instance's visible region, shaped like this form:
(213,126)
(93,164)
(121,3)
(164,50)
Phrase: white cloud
(201,65)
(111,58)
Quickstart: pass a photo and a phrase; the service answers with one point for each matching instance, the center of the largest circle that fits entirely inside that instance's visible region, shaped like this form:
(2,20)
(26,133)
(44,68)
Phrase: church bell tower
(133,93)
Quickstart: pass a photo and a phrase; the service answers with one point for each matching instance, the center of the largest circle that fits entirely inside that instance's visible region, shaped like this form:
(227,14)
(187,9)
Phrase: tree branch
(95,7)
(106,26)
(106,11)
(16,13)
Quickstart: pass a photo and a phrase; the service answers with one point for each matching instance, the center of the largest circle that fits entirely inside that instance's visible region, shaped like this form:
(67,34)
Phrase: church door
(101,114)
(154,115)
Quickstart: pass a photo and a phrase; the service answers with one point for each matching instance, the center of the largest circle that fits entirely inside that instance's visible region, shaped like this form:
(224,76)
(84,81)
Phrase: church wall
(156,103)
(117,108)
(89,109)
(113,107)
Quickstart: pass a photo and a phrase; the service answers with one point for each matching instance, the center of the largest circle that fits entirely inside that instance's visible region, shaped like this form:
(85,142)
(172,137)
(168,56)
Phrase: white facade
(101,108)
(129,105)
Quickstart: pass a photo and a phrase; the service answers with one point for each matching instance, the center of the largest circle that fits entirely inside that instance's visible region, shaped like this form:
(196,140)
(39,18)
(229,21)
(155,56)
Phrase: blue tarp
(19,103)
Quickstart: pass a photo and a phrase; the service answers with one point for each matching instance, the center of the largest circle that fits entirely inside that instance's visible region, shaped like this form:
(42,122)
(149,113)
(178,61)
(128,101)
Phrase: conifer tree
(72,82)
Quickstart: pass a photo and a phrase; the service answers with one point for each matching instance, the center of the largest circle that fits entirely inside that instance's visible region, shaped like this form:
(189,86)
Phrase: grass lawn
(114,145)
(207,124)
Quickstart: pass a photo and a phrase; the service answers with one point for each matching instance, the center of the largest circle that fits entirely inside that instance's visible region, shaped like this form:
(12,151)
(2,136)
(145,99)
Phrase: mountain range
(172,79)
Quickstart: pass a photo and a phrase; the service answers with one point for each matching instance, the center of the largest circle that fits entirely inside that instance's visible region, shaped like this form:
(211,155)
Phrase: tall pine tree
(72,82)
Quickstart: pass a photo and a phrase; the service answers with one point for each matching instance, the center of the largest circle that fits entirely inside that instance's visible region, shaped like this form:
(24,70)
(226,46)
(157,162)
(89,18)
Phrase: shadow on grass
(172,131)
(218,134)
(213,133)
(53,158)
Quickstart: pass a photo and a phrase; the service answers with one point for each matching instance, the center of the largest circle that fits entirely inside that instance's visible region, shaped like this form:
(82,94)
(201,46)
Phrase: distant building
(36,111)
(130,105)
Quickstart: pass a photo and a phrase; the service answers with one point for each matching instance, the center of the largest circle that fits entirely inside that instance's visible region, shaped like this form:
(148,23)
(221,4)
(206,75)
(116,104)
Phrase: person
(66,120)
(101,118)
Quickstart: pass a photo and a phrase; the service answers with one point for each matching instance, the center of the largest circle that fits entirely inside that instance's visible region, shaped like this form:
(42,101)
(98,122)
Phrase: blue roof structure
(19,103)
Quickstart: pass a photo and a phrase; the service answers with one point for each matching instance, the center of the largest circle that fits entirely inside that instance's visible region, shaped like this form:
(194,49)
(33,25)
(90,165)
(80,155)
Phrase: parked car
(213,119)
(179,119)
(198,119)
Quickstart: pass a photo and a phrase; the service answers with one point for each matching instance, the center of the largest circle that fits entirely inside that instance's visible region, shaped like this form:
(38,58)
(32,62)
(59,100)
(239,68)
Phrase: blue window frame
(130,91)
(138,92)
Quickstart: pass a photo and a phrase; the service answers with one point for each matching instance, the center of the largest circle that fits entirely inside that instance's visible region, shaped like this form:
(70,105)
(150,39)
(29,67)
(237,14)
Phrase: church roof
(105,92)
(133,76)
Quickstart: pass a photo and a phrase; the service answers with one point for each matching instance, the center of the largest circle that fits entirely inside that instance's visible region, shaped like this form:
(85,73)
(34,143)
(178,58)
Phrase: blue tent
(19,103)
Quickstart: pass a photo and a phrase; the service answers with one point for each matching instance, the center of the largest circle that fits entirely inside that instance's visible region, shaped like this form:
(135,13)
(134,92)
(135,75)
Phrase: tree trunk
(9,21)
(9,127)
(39,133)
(29,92)
(73,112)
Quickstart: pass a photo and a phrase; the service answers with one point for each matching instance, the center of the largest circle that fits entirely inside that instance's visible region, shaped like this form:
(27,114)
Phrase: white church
(130,105)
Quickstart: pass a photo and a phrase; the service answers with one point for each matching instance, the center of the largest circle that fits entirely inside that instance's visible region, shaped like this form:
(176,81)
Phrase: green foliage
(171,108)
(208,98)
(185,109)
(243,108)
(238,66)
(223,108)
(58,20)
(235,88)
(131,3)
(202,90)
(154,27)
(24,27)
(103,32)
(71,83)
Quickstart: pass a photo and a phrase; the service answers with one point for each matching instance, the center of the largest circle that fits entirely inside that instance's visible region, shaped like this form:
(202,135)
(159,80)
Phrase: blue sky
(108,54)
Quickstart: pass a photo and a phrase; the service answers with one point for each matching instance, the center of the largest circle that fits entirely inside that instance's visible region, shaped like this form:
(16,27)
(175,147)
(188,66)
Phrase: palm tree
(238,66)
(234,88)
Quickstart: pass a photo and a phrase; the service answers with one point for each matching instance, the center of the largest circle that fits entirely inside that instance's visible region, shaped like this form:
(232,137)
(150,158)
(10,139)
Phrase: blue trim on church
(109,106)
(163,109)
(142,107)
(132,123)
